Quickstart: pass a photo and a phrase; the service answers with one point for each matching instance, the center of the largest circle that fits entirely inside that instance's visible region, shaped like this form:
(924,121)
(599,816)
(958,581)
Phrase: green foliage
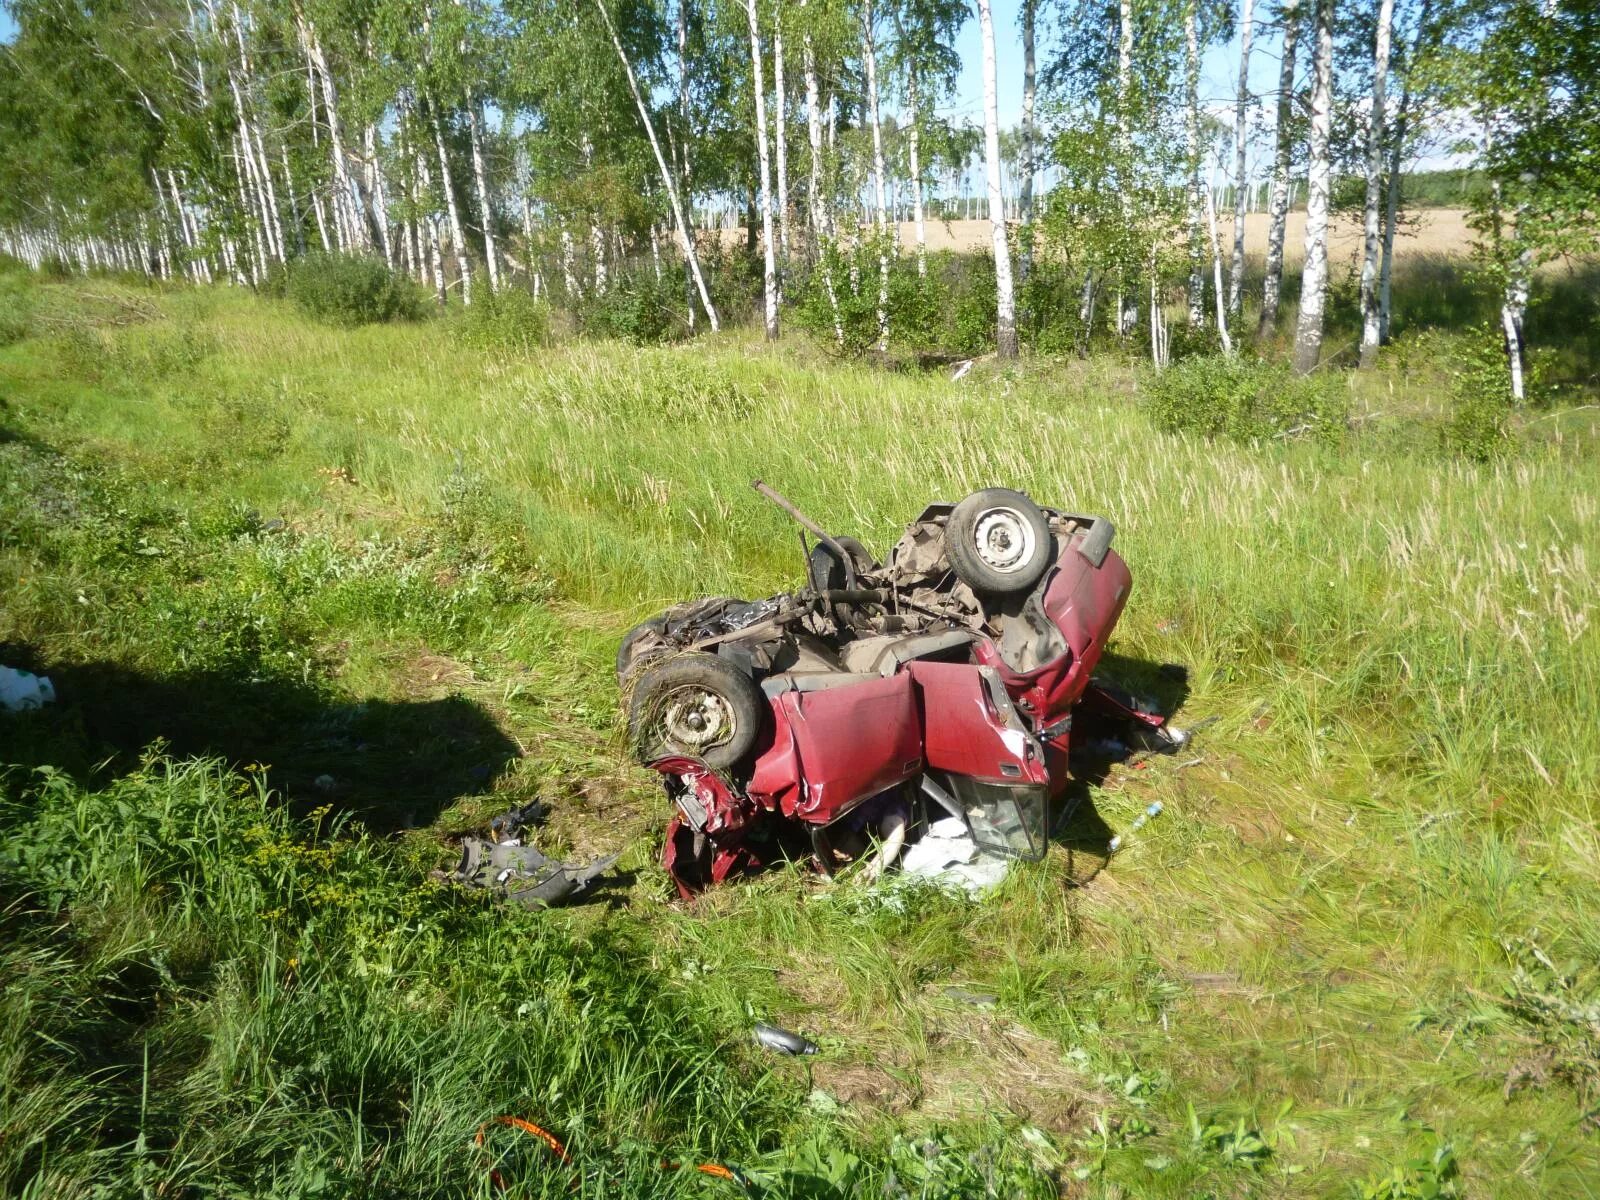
(16,307)
(1478,426)
(1247,399)
(1235,1145)
(348,289)
(636,307)
(510,319)
(1435,1177)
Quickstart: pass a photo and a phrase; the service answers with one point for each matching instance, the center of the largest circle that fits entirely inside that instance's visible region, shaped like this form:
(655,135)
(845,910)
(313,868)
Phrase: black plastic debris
(523,874)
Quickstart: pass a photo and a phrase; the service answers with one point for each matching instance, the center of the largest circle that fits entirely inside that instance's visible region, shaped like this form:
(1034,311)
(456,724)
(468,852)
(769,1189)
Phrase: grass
(365,584)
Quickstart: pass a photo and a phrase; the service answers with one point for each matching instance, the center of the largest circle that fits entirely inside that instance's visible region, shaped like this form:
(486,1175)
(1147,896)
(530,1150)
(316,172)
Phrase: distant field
(1427,231)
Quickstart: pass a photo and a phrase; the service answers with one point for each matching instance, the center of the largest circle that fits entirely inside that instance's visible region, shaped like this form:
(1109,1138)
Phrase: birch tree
(1282,159)
(1005,299)
(769,278)
(1241,131)
(1314,280)
(1371,323)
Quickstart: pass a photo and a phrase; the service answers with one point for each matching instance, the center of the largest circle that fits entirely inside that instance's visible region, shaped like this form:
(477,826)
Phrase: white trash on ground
(22,690)
(948,855)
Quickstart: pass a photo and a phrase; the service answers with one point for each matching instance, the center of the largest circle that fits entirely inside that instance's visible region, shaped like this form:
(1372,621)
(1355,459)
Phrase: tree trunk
(913,148)
(1127,305)
(780,127)
(480,177)
(447,182)
(1241,115)
(1006,304)
(375,190)
(1314,282)
(1278,213)
(869,57)
(769,274)
(684,235)
(817,198)
(1029,100)
(1216,270)
(1371,328)
(1191,132)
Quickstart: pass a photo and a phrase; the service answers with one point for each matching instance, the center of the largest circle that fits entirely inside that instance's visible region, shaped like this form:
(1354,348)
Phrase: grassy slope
(1399,652)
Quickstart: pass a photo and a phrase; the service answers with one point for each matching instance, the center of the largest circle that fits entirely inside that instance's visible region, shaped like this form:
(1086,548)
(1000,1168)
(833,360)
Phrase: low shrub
(510,320)
(1246,399)
(637,307)
(345,289)
(1478,426)
(16,309)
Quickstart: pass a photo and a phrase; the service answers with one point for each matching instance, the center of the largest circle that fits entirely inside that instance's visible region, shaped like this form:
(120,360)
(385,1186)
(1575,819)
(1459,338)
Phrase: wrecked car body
(944,680)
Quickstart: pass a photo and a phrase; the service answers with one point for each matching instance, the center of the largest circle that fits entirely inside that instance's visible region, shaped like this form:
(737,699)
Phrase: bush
(1247,399)
(16,309)
(510,320)
(1478,426)
(637,307)
(343,289)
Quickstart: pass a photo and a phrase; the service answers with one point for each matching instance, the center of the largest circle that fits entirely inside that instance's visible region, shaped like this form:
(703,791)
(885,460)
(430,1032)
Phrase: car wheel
(628,654)
(695,705)
(998,541)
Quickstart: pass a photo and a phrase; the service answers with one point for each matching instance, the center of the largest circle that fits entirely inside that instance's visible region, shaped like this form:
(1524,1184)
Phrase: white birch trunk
(1278,209)
(684,235)
(1191,134)
(1127,314)
(480,177)
(913,148)
(375,189)
(1216,270)
(457,240)
(1005,298)
(1314,282)
(1371,324)
(1241,130)
(869,57)
(1029,164)
(780,127)
(769,276)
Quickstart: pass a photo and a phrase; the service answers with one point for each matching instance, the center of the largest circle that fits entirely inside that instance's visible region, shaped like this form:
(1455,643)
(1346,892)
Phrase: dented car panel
(946,676)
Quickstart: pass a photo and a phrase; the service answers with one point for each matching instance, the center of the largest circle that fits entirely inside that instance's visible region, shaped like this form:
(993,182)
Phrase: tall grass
(1320,948)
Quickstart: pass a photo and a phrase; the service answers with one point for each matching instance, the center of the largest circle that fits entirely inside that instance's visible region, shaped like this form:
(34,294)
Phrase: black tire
(671,697)
(998,542)
(825,570)
(627,656)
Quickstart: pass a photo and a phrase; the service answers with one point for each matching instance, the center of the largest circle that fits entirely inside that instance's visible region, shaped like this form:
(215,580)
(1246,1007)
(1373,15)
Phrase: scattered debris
(21,690)
(961,370)
(784,1041)
(947,855)
(1154,810)
(524,875)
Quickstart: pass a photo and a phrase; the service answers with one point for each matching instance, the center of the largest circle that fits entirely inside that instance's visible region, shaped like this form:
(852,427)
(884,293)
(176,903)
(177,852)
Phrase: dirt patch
(973,1063)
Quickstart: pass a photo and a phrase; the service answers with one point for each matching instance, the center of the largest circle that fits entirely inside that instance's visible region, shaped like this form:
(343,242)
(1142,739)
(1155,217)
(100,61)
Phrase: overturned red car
(944,680)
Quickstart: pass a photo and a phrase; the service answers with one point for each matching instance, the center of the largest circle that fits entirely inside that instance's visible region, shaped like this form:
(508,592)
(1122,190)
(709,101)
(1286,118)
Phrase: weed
(1247,399)
(344,289)
(510,319)
(1434,1177)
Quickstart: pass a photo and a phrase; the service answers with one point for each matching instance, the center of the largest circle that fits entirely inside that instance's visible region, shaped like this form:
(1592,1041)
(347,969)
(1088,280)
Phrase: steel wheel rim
(697,719)
(1004,540)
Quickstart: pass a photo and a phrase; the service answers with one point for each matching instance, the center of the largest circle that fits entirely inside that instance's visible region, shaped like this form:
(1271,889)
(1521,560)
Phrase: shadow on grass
(392,764)
(1100,743)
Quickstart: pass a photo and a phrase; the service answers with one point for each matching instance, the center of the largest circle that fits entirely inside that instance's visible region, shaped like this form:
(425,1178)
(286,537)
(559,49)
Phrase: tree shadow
(392,764)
